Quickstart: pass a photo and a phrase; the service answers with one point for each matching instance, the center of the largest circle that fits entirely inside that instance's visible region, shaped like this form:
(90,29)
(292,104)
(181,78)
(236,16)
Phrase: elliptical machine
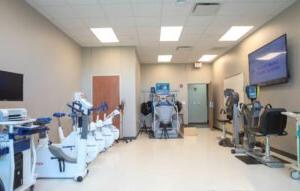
(229,114)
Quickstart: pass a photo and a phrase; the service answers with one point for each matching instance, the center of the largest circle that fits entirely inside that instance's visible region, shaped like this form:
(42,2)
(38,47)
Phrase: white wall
(120,61)
(284,95)
(49,60)
(175,74)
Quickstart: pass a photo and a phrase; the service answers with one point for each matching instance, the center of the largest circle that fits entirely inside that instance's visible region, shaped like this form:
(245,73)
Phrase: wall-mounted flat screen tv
(11,86)
(268,64)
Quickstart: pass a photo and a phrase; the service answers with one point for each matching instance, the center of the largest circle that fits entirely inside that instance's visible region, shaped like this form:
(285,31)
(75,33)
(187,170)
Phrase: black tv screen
(11,86)
(268,65)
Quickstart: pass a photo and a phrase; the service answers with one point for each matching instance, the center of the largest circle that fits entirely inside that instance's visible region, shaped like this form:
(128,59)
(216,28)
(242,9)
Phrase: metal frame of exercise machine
(295,173)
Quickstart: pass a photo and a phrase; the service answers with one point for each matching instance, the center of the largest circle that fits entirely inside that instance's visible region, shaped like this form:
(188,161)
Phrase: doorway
(197,104)
(107,89)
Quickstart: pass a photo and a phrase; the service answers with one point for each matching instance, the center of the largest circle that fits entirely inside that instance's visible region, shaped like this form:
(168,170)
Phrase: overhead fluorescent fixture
(170,33)
(207,58)
(235,33)
(270,56)
(105,35)
(164,58)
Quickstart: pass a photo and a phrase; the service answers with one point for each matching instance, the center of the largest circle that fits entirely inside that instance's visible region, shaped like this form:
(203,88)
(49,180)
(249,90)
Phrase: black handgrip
(74,108)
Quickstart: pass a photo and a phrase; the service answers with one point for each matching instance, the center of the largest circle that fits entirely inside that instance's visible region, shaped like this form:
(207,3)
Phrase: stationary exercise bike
(52,160)
(106,127)
(95,141)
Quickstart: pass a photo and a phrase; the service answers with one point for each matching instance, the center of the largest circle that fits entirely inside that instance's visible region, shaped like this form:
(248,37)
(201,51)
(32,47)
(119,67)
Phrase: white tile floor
(191,164)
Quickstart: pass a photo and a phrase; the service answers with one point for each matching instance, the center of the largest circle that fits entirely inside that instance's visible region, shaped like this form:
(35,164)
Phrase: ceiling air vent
(183,48)
(206,9)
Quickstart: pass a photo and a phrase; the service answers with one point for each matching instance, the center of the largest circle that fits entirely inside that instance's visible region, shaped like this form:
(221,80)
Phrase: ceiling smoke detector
(206,9)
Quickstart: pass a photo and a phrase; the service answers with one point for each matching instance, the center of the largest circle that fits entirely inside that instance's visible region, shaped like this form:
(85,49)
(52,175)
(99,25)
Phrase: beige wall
(285,95)
(120,61)
(49,60)
(175,74)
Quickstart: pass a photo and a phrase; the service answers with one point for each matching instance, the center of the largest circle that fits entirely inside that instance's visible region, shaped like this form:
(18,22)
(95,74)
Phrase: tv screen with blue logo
(268,65)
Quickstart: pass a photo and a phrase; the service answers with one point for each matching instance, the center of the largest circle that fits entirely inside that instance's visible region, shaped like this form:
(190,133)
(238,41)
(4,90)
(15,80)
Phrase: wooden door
(107,89)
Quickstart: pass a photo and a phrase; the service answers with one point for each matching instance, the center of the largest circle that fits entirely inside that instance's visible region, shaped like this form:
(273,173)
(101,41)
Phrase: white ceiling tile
(175,9)
(147,9)
(118,10)
(83,2)
(97,22)
(70,23)
(122,22)
(246,8)
(137,23)
(60,12)
(147,21)
(173,21)
(120,30)
(52,2)
(202,21)
(89,11)
(113,1)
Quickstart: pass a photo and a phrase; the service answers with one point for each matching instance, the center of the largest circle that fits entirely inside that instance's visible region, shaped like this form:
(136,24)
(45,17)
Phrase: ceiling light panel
(105,35)
(164,58)
(207,58)
(170,33)
(235,33)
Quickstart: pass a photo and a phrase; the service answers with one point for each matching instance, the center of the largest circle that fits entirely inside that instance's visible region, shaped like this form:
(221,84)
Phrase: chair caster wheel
(233,151)
(295,174)
(79,179)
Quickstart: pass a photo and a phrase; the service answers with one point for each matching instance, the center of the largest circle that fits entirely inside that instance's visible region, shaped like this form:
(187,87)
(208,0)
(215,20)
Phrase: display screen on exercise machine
(162,88)
(252,91)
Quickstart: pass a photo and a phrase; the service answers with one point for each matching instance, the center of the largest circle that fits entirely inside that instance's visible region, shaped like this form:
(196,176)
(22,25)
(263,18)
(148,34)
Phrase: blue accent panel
(59,114)
(11,136)
(23,131)
(21,145)
(298,133)
(43,120)
(4,151)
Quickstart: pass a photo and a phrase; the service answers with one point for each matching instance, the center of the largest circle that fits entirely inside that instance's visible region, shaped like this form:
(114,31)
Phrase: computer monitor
(162,88)
(252,92)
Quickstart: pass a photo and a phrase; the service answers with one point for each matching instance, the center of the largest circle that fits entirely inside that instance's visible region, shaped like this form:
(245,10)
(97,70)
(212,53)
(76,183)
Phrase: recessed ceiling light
(207,58)
(235,33)
(170,33)
(164,58)
(105,35)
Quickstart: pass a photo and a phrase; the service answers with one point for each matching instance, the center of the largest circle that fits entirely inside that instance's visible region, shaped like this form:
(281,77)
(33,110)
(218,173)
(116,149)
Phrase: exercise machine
(95,141)
(295,173)
(17,150)
(165,113)
(233,116)
(230,115)
(106,127)
(52,160)
(264,122)
(224,141)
